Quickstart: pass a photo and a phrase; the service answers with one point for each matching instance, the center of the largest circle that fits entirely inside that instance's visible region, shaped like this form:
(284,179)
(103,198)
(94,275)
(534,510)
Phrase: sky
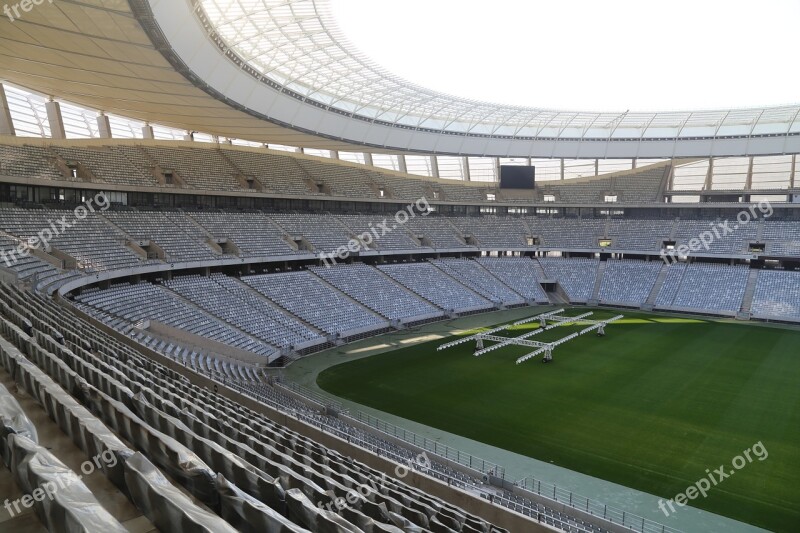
(595,55)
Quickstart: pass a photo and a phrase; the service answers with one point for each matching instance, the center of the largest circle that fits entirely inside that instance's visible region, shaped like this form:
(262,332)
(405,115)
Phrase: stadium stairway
(749,292)
(598,282)
(540,274)
(651,299)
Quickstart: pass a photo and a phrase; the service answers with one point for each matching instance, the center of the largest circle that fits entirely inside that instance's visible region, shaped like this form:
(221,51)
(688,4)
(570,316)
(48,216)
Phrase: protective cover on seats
(13,421)
(63,503)
(167,507)
(249,515)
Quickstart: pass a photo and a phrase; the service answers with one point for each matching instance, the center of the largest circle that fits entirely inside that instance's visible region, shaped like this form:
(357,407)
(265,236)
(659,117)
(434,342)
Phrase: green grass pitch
(650,406)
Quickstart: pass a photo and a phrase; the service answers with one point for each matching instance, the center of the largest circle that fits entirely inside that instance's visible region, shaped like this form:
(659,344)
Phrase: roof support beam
(434,166)
(748,182)
(147,132)
(794,172)
(709,175)
(55,119)
(465,169)
(6,124)
(401,163)
(368,159)
(103,126)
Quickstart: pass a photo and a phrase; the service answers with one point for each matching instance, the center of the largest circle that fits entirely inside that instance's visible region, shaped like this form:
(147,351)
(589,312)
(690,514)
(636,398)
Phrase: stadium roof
(280,71)
(298,45)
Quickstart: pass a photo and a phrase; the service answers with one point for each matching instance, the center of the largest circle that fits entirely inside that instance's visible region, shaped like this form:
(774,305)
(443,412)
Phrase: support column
(748,182)
(794,172)
(434,166)
(709,175)
(103,126)
(497,169)
(334,154)
(55,119)
(401,161)
(189,136)
(6,124)
(147,132)
(465,167)
(562,168)
(634,162)
(596,167)
(368,159)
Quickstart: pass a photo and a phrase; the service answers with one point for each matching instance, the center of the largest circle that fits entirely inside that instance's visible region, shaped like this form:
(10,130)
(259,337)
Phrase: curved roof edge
(188,40)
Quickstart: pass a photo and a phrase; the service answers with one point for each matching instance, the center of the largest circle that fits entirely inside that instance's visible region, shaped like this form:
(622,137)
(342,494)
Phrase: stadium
(256,277)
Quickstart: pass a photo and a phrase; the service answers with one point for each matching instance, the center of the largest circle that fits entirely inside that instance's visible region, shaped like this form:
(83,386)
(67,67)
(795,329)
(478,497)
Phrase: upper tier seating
(732,243)
(253,233)
(783,237)
(777,295)
(644,235)
(440,233)
(373,289)
(477,278)
(494,232)
(32,162)
(198,168)
(397,239)
(576,276)
(173,231)
(519,273)
(322,306)
(109,165)
(342,180)
(279,174)
(568,232)
(92,242)
(325,233)
(436,287)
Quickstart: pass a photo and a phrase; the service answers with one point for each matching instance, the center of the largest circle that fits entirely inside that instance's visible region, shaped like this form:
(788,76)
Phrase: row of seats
(309,298)
(226,298)
(250,472)
(575,275)
(704,287)
(477,278)
(101,241)
(123,305)
(380,293)
(436,287)
(298,312)
(777,295)
(628,282)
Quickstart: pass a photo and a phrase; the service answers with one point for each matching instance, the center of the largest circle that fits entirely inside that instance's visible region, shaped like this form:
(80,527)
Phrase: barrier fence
(581,503)
(429,445)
